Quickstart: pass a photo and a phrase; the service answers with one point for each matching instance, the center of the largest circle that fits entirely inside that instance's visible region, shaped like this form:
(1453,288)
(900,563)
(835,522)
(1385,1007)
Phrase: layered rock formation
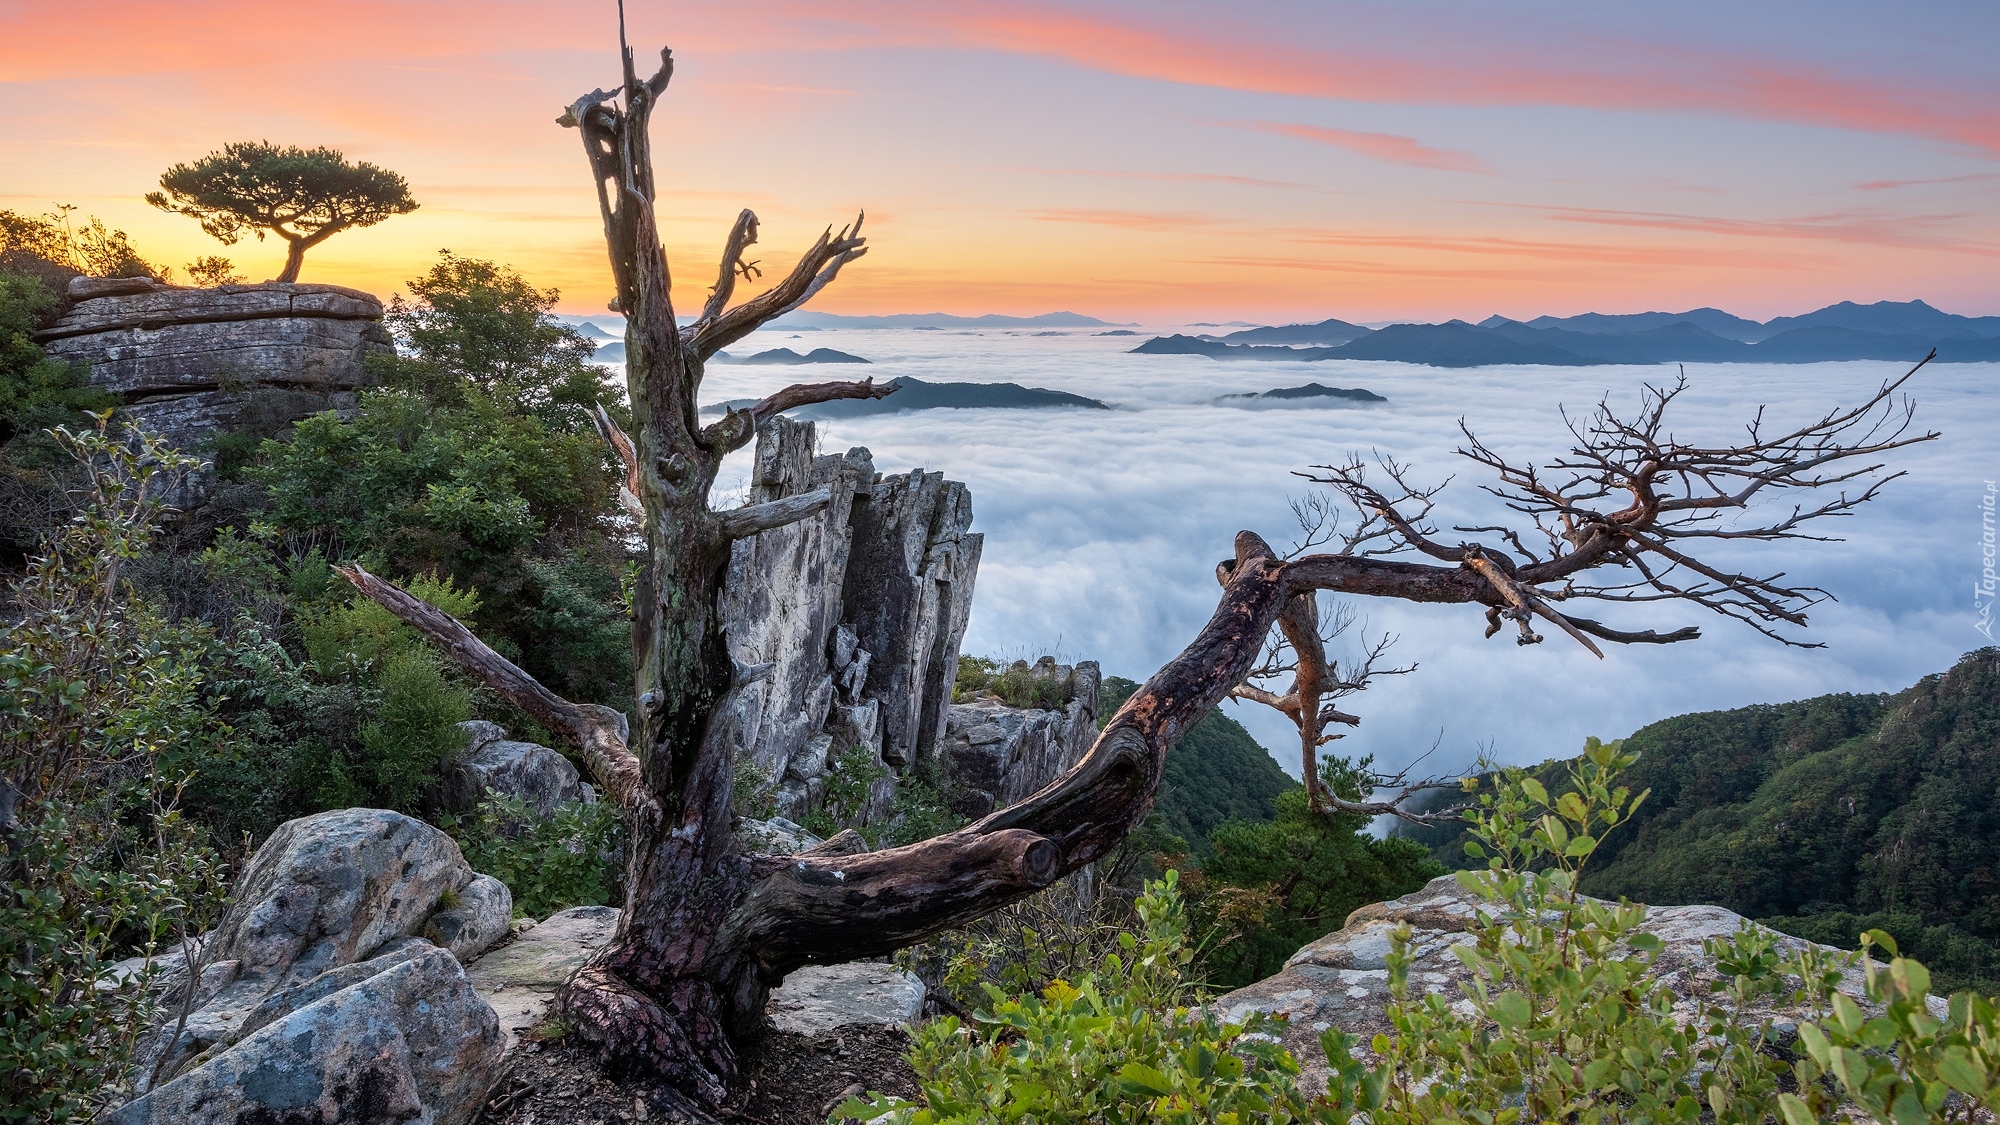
(845,626)
(193,362)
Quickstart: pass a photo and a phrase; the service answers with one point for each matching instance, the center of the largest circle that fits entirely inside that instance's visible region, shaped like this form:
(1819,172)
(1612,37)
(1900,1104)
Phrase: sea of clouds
(1103,528)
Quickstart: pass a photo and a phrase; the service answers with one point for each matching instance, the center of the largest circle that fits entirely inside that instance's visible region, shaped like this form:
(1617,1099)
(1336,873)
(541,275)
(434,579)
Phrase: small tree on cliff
(304,196)
(708,929)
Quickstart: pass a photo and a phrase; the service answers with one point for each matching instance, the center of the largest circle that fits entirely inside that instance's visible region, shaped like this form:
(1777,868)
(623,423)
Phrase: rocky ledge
(1342,980)
(192,362)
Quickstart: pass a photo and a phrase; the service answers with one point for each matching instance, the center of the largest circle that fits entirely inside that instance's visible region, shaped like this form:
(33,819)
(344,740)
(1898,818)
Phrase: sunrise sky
(1155,161)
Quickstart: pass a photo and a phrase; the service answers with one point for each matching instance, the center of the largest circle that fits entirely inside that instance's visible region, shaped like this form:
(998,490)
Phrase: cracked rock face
(399,1037)
(1001,754)
(851,619)
(1342,980)
(195,362)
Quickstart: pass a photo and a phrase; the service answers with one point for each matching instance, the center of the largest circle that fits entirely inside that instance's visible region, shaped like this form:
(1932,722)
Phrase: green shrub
(1267,888)
(1562,1019)
(549,863)
(1015,683)
(98,694)
(849,779)
(1120,1044)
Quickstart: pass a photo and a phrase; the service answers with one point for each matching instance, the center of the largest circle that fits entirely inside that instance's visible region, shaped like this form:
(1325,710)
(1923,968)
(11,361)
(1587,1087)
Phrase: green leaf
(1535,791)
(1145,1078)
(1571,806)
(1580,846)
(1955,1066)
(1510,1009)
(1882,938)
(1816,1044)
(1795,1111)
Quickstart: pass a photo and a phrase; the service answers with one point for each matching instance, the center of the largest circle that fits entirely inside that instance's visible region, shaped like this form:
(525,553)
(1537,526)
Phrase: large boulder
(325,892)
(539,776)
(194,362)
(1342,980)
(400,1037)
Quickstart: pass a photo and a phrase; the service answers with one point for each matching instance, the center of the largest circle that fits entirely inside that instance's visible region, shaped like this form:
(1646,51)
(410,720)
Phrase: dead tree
(1629,514)
(708,929)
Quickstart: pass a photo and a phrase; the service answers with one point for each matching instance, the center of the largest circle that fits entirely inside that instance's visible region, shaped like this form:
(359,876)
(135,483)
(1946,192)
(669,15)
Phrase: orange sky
(1159,161)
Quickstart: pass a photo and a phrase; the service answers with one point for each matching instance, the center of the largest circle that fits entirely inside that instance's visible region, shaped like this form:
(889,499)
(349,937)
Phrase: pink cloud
(1387,147)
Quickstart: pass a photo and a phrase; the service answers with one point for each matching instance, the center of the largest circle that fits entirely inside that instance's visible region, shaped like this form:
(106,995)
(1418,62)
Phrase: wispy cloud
(1128,220)
(1890,185)
(1387,147)
(1169,177)
(1867,227)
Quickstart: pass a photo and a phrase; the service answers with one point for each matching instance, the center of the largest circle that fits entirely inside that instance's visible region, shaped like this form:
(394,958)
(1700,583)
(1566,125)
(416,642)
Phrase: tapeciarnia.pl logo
(1988,586)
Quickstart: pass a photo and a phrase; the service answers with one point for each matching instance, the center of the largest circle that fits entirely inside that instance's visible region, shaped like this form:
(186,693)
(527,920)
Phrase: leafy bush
(1562,1019)
(849,779)
(1268,888)
(97,693)
(550,863)
(1016,684)
(1120,1044)
(477,461)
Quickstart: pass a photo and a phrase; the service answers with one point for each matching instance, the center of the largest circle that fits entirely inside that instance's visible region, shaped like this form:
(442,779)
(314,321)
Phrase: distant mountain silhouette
(1701,336)
(1307,392)
(1453,344)
(1680,341)
(1216,349)
(1714,320)
(1325,334)
(613,353)
(938,320)
(787,356)
(915,394)
(1892,318)
(593,332)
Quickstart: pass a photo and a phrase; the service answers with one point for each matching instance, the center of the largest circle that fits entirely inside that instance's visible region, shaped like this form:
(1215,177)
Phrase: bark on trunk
(295,256)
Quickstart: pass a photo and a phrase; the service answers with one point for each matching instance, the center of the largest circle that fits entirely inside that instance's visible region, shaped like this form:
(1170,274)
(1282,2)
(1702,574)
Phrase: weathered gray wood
(741,523)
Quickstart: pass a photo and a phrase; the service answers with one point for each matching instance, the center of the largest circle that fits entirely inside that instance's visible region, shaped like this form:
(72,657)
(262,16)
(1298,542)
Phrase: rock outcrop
(192,362)
(1342,980)
(1000,754)
(399,1037)
(539,776)
(338,923)
(520,979)
(845,626)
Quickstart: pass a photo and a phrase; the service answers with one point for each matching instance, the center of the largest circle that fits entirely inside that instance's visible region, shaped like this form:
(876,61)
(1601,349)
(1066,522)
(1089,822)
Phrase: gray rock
(1002,754)
(195,362)
(329,889)
(781,600)
(403,1037)
(908,596)
(776,836)
(1342,980)
(822,998)
(473,919)
(520,979)
(536,774)
(323,892)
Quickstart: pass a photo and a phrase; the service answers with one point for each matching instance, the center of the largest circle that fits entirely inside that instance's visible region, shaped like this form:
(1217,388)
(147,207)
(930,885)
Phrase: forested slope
(1825,817)
(1217,774)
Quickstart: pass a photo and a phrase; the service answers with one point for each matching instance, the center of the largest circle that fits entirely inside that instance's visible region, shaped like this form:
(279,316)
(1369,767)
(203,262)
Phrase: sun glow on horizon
(1158,164)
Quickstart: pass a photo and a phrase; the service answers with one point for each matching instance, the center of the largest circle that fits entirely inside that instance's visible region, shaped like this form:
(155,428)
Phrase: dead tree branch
(597,732)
